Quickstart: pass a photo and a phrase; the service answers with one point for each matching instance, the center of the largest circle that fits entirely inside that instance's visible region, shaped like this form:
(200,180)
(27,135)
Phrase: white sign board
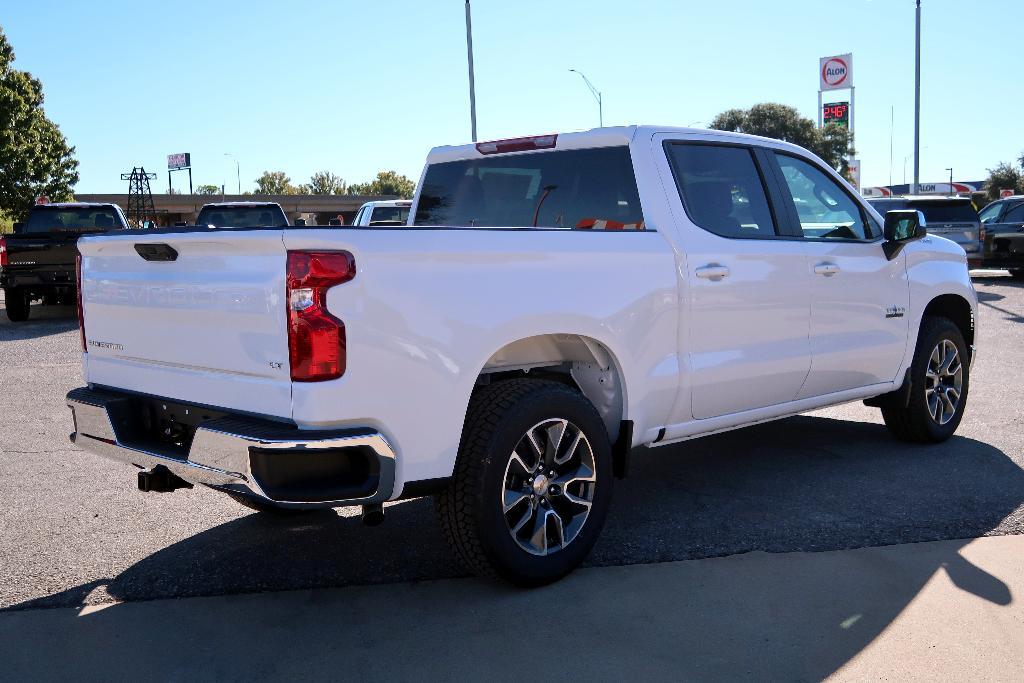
(835,73)
(176,161)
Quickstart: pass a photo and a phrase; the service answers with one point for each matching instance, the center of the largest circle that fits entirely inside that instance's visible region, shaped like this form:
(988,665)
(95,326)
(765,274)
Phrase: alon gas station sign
(835,73)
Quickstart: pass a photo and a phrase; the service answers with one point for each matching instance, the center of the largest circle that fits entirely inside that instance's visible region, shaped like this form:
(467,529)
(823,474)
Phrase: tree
(207,189)
(386,182)
(325,182)
(275,182)
(782,122)
(1004,176)
(35,158)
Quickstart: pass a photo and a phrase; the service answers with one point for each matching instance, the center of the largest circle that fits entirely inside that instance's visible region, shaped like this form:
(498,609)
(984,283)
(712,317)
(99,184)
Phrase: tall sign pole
(917,100)
(472,84)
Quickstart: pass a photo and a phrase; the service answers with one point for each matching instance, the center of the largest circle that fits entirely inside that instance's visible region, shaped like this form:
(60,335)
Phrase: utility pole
(472,83)
(238,170)
(917,99)
(950,180)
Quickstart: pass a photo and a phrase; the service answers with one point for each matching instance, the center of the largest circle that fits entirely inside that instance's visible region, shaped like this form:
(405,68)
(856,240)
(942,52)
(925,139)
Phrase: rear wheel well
(577,361)
(956,309)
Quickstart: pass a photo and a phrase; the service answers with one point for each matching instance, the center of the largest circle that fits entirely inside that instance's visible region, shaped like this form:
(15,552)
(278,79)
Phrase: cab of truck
(383,213)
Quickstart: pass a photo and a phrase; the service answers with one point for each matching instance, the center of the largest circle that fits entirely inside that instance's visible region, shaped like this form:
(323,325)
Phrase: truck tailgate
(207,324)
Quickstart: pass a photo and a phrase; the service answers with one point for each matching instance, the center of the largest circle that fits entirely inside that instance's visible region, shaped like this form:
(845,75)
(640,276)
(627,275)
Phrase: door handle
(712,271)
(826,269)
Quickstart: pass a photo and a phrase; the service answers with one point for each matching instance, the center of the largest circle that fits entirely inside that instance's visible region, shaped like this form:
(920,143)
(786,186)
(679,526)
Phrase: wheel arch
(956,309)
(581,361)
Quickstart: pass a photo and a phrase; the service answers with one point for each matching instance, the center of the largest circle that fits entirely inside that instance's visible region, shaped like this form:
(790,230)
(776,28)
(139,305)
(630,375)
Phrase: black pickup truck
(37,262)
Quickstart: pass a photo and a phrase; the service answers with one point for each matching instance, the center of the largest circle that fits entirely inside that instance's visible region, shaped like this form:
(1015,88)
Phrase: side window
(990,213)
(824,209)
(1015,215)
(722,189)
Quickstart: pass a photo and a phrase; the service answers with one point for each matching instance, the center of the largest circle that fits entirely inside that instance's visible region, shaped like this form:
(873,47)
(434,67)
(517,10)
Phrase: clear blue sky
(354,87)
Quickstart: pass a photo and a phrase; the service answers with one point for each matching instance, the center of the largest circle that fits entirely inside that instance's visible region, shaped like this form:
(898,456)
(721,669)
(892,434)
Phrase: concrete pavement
(947,610)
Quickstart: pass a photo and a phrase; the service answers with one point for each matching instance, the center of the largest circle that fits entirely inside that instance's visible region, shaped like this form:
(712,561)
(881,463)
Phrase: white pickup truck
(553,302)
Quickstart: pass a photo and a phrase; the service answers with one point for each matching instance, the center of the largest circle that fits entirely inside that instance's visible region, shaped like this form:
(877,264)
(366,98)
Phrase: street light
(950,180)
(238,171)
(597,96)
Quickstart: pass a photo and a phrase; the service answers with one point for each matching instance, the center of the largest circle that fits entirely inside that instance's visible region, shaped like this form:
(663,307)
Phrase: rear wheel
(532,482)
(940,377)
(17,303)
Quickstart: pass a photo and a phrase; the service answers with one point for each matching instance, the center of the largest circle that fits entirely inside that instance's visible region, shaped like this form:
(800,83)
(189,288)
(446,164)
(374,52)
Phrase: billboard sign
(176,161)
(835,73)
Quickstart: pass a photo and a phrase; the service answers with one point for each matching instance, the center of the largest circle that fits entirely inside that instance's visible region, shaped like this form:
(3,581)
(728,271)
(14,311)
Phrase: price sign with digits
(836,112)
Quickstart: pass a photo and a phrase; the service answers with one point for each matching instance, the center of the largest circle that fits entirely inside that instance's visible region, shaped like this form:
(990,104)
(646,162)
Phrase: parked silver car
(954,218)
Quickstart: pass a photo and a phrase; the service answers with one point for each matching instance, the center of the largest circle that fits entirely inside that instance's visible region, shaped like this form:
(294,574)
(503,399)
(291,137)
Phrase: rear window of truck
(389,215)
(242,217)
(579,189)
(61,219)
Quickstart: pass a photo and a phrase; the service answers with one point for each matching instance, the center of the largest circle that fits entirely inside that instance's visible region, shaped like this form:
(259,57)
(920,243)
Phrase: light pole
(917,97)
(950,180)
(472,83)
(597,96)
(238,170)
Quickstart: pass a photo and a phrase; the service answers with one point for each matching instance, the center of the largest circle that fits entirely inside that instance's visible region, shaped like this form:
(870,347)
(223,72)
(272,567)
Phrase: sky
(357,87)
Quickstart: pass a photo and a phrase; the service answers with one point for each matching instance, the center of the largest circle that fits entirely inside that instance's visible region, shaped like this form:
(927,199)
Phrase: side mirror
(902,226)
(18,227)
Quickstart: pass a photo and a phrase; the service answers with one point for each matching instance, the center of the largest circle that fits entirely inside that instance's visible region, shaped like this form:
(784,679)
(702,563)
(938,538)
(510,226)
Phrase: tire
(501,514)
(1017,273)
(17,304)
(926,417)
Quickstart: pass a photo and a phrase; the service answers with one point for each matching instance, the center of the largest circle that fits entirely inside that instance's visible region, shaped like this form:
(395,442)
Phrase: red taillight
(78,300)
(3,252)
(517,144)
(316,339)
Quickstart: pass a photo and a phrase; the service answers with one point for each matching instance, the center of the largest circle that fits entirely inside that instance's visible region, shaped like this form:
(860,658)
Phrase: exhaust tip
(373,514)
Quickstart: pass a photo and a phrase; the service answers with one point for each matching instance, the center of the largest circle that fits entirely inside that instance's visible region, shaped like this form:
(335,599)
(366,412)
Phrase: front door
(859,298)
(747,299)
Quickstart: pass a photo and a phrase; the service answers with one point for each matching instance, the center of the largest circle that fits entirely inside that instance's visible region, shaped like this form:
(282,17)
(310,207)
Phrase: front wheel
(940,377)
(16,302)
(532,482)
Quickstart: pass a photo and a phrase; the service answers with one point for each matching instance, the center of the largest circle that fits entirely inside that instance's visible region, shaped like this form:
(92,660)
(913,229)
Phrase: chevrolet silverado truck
(554,302)
(37,262)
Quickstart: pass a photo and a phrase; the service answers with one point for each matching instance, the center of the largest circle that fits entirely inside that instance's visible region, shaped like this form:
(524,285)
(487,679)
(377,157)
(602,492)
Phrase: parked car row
(37,261)
(554,302)
(992,239)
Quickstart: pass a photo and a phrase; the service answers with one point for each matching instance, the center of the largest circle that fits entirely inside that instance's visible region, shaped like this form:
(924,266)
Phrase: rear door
(197,316)
(859,298)
(747,299)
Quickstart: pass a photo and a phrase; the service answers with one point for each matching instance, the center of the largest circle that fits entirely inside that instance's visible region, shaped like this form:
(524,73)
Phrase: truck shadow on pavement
(43,321)
(803,484)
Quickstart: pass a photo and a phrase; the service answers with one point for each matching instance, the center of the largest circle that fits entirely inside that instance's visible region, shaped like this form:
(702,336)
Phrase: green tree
(35,159)
(207,189)
(782,122)
(325,182)
(275,182)
(1004,176)
(386,183)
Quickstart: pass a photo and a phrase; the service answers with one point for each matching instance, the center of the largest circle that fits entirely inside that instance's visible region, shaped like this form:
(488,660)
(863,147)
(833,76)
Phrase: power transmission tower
(140,197)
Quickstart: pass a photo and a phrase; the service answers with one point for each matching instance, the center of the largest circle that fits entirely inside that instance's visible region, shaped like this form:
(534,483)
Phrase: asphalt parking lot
(75,531)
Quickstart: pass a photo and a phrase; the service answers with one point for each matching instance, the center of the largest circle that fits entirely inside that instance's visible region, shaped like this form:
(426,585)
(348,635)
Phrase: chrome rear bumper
(252,457)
